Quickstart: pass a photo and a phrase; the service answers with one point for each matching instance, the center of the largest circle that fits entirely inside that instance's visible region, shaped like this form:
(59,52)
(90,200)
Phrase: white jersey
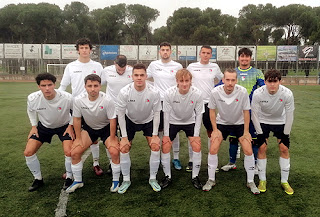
(75,72)
(272,109)
(230,106)
(51,113)
(116,82)
(183,108)
(163,74)
(203,77)
(96,114)
(139,106)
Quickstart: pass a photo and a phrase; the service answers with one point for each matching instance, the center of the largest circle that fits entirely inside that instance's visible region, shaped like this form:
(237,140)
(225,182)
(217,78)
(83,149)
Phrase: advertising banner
(109,52)
(226,53)
(69,51)
(187,53)
(148,52)
(130,51)
(266,53)
(13,51)
(287,53)
(308,53)
(51,51)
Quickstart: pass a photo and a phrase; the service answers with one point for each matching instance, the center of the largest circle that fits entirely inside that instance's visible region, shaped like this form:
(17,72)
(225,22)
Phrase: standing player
(250,78)
(163,72)
(99,120)
(204,74)
(138,109)
(52,107)
(74,74)
(182,108)
(233,106)
(272,110)
(117,76)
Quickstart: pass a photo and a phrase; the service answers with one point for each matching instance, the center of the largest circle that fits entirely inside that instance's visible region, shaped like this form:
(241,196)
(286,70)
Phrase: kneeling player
(233,116)
(272,110)
(99,120)
(52,108)
(183,108)
(138,109)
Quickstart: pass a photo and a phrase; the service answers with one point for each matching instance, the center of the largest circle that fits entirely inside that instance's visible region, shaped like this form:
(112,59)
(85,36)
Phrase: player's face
(229,80)
(205,55)
(47,88)
(93,89)
(272,85)
(120,70)
(184,84)
(139,77)
(84,50)
(165,52)
(244,61)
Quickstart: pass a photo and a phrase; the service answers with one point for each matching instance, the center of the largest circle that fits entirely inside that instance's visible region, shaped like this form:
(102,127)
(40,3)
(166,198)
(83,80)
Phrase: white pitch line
(61,209)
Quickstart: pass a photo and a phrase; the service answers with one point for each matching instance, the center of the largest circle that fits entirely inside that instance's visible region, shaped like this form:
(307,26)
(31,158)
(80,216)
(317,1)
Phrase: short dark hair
(246,51)
(45,76)
(139,66)
(165,44)
(83,41)
(92,77)
(206,46)
(272,75)
(231,70)
(121,60)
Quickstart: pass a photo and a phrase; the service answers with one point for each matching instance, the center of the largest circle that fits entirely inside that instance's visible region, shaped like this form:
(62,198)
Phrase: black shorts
(132,128)
(206,118)
(46,134)
(174,129)
(234,130)
(276,129)
(161,118)
(103,133)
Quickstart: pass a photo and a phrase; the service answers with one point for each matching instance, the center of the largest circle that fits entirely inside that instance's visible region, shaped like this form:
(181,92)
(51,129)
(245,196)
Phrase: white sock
(190,151)
(262,167)
(115,171)
(285,169)
(108,155)
(249,166)
(77,171)
(212,166)
(95,153)
(125,164)
(196,163)
(209,144)
(176,147)
(67,164)
(165,161)
(34,166)
(154,164)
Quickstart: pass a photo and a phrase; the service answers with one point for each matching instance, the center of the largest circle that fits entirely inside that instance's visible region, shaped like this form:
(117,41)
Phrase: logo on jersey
(131,100)
(158,69)
(84,107)
(77,71)
(264,101)
(243,78)
(191,101)
(41,108)
(101,107)
(59,109)
(175,101)
(210,70)
(129,76)
(147,100)
(280,100)
(221,100)
(196,70)
(237,100)
(94,71)
(114,76)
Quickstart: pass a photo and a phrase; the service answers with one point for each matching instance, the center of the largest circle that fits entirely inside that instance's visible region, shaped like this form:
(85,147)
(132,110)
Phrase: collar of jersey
(244,70)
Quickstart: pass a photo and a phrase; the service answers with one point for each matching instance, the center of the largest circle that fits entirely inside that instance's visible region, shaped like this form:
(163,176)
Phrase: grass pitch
(229,197)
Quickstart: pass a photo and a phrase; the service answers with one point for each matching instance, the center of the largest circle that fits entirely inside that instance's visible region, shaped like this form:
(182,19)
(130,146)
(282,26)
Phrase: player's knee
(114,152)
(166,148)
(247,150)
(233,140)
(28,152)
(67,153)
(196,148)
(155,147)
(125,149)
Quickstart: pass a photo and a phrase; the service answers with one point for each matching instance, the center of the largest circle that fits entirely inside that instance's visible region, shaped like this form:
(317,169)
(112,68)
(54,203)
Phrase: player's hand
(216,134)
(77,142)
(165,140)
(195,140)
(247,136)
(70,131)
(124,141)
(112,141)
(155,140)
(33,131)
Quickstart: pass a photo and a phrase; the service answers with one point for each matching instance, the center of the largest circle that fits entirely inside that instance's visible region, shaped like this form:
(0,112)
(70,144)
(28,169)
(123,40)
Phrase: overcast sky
(167,7)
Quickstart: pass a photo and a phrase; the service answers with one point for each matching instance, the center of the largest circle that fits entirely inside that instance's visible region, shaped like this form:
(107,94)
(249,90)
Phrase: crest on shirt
(280,100)
(59,109)
(147,100)
(243,78)
(210,70)
(237,100)
(191,101)
(101,107)
(94,72)
(129,76)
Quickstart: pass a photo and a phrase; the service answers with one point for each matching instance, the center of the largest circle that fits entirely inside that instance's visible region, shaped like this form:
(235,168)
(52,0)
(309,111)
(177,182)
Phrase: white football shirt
(139,106)
(203,77)
(51,113)
(163,74)
(116,82)
(75,72)
(271,109)
(96,114)
(230,106)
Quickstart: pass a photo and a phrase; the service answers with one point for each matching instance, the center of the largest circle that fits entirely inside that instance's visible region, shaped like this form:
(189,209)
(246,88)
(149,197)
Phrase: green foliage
(229,197)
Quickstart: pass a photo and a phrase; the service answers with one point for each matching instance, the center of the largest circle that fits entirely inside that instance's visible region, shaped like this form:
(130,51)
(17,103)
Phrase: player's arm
(216,133)
(199,110)
(255,110)
(70,131)
(246,117)
(289,108)
(121,111)
(66,79)
(32,114)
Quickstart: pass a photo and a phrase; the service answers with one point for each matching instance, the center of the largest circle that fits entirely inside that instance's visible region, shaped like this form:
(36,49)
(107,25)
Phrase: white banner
(1,51)
(187,53)
(51,51)
(226,53)
(69,51)
(32,51)
(130,51)
(13,51)
(148,52)
(214,53)
(251,47)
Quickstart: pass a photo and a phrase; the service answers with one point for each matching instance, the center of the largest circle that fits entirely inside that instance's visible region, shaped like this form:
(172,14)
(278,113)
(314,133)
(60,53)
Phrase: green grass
(229,197)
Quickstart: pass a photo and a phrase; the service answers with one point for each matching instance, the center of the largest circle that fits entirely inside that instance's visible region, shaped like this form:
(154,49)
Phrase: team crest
(281,100)
(147,100)
(59,109)
(94,72)
(191,101)
(129,76)
(101,107)
(243,78)
(237,100)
